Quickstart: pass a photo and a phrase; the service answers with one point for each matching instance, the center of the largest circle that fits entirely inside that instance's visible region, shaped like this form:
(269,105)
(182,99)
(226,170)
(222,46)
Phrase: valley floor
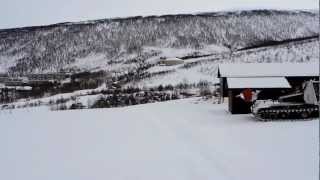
(183,139)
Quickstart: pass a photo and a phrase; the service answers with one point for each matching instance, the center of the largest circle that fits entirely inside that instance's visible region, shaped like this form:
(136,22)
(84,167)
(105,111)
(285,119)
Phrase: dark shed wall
(296,82)
(239,106)
(236,104)
(273,94)
(224,87)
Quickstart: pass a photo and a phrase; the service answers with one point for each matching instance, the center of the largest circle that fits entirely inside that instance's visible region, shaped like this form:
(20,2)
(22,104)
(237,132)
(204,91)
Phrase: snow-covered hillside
(184,139)
(122,42)
(205,68)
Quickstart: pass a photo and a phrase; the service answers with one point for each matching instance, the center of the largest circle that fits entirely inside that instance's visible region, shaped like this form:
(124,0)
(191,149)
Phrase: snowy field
(176,140)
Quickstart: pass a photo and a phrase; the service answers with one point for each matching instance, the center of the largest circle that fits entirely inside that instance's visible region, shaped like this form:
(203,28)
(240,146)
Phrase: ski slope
(176,140)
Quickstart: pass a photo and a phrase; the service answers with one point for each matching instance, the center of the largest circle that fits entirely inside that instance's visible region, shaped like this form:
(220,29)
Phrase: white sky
(17,13)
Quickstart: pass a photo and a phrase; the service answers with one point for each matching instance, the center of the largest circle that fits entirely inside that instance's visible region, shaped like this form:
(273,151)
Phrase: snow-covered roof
(264,82)
(268,69)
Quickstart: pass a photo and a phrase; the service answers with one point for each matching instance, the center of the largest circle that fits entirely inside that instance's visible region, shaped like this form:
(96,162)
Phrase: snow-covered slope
(184,139)
(121,42)
(205,68)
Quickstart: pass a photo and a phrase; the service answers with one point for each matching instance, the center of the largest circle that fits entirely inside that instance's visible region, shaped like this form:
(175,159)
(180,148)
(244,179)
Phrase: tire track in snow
(180,132)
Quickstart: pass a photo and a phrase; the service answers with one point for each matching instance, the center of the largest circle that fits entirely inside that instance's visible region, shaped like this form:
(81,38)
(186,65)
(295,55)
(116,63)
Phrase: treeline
(117,100)
(114,96)
(134,96)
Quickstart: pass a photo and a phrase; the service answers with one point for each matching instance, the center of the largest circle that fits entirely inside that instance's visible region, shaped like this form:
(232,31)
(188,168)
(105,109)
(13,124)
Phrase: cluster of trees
(25,105)
(116,100)
(133,99)
(133,95)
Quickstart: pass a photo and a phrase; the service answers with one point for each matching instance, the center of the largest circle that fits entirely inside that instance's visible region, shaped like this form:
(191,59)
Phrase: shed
(271,79)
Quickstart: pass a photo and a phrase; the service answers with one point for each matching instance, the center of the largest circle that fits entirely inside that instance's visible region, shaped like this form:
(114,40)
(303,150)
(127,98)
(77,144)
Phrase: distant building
(47,77)
(171,61)
(10,93)
(271,80)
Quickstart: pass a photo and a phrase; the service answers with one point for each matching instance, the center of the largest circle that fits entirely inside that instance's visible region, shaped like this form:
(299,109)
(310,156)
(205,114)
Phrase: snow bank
(171,140)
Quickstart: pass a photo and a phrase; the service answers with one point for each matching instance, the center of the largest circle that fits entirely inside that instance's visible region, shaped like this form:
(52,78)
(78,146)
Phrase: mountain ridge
(312,11)
(118,41)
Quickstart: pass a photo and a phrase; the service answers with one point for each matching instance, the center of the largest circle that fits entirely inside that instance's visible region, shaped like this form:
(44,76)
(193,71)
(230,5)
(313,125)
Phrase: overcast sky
(17,13)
